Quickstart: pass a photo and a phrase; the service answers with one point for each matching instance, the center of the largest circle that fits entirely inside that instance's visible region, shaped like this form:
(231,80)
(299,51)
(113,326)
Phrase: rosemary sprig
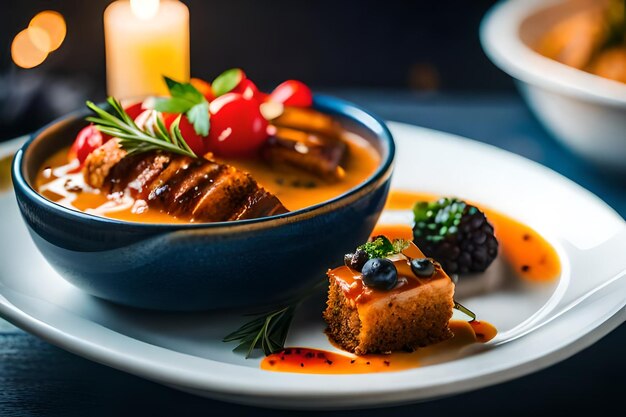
(268,331)
(135,140)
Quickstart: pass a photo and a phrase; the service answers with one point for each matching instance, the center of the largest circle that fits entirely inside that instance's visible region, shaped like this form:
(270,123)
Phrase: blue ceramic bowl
(201,266)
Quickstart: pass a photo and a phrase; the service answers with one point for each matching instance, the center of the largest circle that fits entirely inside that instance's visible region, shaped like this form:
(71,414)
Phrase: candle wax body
(140,52)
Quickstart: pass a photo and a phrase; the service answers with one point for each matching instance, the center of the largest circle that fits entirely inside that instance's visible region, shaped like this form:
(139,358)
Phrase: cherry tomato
(249,90)
(237,126)
(88,139)
(134,110)
(292,93)
(196,142)
(203,87)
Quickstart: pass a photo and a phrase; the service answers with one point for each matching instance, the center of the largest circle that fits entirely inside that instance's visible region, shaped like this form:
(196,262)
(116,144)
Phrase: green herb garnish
(268,331)
(382,247)
(186,99)
(135,140)
(226,81)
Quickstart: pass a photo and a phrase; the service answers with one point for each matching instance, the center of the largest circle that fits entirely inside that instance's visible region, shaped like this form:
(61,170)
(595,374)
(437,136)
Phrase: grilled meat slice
(312,152)
(135,172)
(309,120)
(223,196)
(309,140)
(256,204)
(196,189)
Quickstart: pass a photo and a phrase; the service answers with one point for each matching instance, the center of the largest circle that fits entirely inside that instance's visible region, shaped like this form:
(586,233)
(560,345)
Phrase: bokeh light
(25,52)
(39,38)
(44,34)
(53,24)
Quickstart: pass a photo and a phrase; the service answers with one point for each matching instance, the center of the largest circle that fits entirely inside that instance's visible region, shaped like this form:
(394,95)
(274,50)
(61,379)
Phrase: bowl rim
(500,38)
(327,104)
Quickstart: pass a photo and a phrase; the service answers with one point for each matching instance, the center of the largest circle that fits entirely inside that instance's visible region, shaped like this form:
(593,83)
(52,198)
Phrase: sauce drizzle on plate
(528,253)
(318,361)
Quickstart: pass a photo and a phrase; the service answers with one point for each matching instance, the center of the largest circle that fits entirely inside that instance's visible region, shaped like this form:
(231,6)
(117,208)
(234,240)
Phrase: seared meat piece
(100,162)
(308,140)
(320,155)
(196,189)
(135,173)
(223,196)
(309,120)
(258,203)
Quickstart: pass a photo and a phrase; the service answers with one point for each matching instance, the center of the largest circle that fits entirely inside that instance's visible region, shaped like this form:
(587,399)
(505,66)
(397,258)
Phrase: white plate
(539,324)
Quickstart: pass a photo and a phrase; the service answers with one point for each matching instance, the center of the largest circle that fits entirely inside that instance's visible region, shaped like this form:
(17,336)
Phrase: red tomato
(292,93)
(203,87)
(134,110)
(249,90)
(88,139)
(195,141)
(237,126)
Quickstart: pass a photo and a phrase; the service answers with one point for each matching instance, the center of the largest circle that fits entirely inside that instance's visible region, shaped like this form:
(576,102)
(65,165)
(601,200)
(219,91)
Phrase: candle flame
(144,9)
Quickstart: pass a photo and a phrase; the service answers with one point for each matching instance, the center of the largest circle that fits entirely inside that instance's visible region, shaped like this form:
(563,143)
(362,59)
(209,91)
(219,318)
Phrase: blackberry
(455,234)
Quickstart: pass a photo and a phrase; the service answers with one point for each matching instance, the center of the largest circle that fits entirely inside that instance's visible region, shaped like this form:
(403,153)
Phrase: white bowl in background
(584,111)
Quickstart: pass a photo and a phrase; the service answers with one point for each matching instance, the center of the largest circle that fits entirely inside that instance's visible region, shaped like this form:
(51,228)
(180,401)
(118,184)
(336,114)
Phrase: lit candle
(145,40)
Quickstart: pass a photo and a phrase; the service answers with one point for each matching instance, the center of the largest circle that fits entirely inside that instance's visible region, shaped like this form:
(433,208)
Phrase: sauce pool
(529,254)
(295,188)
(318,361)
(526,251)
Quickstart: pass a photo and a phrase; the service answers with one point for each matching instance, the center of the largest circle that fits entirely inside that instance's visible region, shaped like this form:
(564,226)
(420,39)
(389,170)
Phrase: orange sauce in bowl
(295,188)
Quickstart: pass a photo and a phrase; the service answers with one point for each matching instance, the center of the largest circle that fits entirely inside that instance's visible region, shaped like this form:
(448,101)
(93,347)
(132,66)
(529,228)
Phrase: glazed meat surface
(312,152)
(309,140)
(195,189)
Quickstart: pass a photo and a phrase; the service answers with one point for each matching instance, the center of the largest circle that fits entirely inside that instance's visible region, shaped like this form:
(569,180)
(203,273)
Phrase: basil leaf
(185,98)
(184,91)
(226,81)
(198,116)
(172,105)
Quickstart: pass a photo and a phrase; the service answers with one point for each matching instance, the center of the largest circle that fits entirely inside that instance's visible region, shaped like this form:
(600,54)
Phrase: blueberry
(422,267)
(380,273)
(356,260)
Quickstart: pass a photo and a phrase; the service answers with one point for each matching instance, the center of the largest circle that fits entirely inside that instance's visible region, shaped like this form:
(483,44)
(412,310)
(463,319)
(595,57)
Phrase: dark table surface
(39,379)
